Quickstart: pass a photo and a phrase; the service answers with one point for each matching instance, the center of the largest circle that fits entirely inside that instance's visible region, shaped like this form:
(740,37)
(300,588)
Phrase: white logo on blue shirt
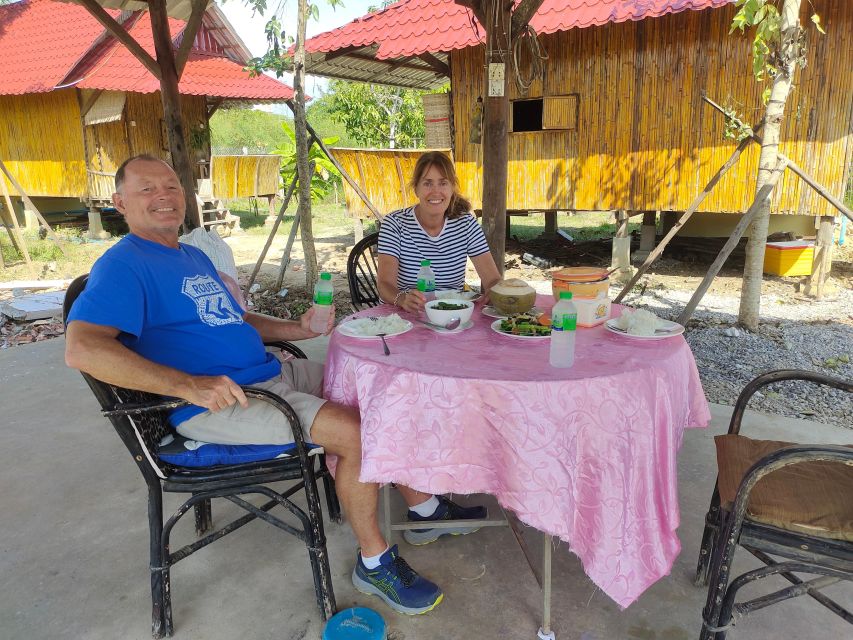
(213,304)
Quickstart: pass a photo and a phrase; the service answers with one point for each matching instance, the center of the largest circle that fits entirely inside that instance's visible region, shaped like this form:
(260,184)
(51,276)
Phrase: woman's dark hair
(459,204)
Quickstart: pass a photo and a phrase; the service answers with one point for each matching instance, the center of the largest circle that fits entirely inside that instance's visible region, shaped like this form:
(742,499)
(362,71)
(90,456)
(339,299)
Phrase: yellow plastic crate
(792,258)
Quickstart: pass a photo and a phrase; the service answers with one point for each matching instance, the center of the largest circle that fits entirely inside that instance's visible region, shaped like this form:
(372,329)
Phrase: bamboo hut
(616,121)
(76,103)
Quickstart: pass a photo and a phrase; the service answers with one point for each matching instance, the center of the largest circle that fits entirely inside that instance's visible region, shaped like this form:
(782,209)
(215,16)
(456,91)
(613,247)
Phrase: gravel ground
(795,333)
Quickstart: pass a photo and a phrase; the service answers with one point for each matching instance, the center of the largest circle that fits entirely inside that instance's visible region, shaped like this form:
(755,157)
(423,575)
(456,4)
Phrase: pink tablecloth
(587,454)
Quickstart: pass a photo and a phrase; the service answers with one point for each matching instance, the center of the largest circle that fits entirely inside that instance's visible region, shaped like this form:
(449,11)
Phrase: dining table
(587,454)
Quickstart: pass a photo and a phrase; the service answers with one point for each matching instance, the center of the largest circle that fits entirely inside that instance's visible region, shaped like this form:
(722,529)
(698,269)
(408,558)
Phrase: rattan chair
(362,273)
(140,419)
(789,505)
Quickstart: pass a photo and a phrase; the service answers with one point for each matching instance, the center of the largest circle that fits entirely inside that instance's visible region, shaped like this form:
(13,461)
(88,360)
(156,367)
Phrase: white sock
(426,508)
(371,562)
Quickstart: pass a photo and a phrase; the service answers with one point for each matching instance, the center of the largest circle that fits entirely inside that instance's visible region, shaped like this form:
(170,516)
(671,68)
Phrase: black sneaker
(446,510)
(397,584)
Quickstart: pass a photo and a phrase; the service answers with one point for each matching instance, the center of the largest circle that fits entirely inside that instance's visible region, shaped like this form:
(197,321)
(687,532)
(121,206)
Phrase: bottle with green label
(426,280)
(323,293)
(564,322)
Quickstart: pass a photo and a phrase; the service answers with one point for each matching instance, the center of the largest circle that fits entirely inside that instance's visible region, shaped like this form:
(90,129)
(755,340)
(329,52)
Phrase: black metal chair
(776,500)
(362,271)
(140,419)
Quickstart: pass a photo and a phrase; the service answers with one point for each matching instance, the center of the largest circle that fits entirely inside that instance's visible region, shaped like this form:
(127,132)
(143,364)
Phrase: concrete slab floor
(74,547)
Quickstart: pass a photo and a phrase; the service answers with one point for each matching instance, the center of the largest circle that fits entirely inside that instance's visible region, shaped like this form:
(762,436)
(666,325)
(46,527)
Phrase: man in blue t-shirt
(155,316)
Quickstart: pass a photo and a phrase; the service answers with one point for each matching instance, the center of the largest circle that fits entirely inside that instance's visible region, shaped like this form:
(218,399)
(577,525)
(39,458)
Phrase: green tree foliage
(324,122)
(325,174)
(258,131)
(378,115)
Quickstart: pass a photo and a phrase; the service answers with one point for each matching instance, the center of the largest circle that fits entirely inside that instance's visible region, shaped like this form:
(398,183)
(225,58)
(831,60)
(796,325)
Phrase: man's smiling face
(152,201)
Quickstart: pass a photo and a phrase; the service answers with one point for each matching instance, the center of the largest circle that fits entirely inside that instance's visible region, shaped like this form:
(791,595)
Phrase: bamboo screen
(645,140)
(383,174)
(40,143)
(245,176)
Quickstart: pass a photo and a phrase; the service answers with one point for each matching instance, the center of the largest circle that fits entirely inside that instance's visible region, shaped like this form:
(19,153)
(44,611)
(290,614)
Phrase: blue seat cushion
(182,452)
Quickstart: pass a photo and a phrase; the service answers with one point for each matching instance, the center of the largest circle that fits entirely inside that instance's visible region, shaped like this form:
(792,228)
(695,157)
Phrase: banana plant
(325,173)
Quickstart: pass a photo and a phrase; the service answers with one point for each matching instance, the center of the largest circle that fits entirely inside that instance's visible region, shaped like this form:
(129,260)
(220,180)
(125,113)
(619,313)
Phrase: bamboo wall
(383,174)
(40,143)
(140,130)
(245,176)
(644,139)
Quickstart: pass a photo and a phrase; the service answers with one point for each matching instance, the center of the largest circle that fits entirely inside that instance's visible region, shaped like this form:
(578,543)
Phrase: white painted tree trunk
(300,127)
(750,300)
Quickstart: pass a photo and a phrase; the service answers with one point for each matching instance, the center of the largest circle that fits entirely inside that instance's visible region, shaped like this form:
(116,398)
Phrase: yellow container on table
(793,258)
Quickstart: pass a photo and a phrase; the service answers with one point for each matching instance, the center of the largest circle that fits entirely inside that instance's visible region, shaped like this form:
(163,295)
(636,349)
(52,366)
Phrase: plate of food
(640,324)
(525,326)
(372,326)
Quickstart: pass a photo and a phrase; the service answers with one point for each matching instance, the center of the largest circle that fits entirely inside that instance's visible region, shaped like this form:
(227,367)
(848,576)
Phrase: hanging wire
(529,39)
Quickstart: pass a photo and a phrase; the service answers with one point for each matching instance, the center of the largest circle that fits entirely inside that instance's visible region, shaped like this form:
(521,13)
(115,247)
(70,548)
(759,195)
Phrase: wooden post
(822,263)
(358,228)
(15,236)
(674,229)
(495,148)
(550,224)
(760,200)
(647,236)
(171,99)
(621,252)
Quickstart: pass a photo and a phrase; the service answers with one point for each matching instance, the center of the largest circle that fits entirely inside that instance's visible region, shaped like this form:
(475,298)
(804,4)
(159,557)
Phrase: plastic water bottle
(564,321)
(426,280)
(323,292)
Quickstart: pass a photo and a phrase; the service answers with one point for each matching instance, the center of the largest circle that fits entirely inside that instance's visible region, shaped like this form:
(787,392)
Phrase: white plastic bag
(220,254)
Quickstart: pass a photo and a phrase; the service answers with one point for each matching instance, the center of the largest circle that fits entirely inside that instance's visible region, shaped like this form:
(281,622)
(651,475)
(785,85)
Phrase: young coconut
(512,296)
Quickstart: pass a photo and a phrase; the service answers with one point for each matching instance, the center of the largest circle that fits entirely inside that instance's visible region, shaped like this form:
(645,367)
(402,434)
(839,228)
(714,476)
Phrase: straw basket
(437,120)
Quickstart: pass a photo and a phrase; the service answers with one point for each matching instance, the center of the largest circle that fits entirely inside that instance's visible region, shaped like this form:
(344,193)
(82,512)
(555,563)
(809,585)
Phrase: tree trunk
(301,129)
(495,152)
(750,300)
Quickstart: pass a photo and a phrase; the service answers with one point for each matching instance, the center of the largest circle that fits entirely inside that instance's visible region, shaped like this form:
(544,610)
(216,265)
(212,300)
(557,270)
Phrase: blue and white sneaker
(397,584)
(446,510)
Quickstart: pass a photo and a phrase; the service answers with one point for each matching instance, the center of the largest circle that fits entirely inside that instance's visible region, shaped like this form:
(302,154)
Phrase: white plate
(458,329)
(346,330)
(444,294)
(668,330)
(490,311)
(496,327)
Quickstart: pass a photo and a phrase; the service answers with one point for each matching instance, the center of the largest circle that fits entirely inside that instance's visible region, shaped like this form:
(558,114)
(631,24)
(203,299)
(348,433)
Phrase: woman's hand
(413,301)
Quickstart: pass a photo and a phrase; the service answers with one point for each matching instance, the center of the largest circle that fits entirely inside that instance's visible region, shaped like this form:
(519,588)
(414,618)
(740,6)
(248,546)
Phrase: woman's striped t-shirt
(403,237)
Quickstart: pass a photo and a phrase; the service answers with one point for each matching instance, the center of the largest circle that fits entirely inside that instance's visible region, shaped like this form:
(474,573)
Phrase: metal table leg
(545,632)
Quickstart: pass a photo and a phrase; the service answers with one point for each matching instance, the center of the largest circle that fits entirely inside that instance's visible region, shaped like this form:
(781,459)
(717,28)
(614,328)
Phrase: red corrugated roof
(42,42)
(411,27)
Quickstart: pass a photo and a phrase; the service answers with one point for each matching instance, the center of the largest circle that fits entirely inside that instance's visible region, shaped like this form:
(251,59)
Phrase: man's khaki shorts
(301,386)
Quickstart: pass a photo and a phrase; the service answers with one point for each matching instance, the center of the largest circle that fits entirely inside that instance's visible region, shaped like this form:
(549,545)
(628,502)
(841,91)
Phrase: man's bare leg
(413,497)
(337,429)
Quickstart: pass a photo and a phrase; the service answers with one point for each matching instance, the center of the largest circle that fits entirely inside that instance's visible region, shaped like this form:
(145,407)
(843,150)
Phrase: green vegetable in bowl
(525,324)
(448,306)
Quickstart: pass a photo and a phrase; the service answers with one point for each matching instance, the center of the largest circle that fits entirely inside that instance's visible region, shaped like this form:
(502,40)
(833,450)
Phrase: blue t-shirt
(171,307)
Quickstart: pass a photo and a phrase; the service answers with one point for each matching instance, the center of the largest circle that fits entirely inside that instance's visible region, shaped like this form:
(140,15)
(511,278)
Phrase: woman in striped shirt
(441,229)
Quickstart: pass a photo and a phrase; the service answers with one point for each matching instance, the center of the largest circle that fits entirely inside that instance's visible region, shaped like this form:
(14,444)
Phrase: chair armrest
(779,376)
(785,457)
(289,347)
(136,409)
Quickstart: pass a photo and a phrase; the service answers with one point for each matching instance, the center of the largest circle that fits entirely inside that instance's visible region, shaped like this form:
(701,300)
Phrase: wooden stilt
(822,263)
(731,243)
(285,257)
(358,228)
(550,224)
(33,207)
(647,235)
(15,234)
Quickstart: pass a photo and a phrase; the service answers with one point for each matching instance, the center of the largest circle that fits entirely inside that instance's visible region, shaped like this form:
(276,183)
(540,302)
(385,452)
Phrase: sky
(251,28)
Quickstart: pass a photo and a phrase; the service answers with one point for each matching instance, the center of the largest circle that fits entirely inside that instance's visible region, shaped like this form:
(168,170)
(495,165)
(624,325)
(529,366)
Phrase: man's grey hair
(122,170)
